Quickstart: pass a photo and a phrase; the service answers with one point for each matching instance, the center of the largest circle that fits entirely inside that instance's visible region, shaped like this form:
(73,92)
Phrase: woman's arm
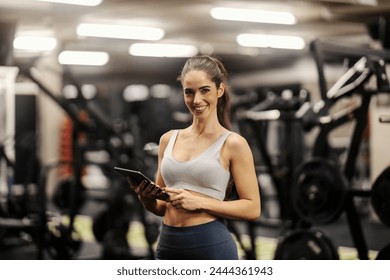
(151,204)
(247,207)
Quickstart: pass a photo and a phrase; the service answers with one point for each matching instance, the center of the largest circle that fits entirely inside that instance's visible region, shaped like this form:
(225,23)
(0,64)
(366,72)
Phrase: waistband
(211,233)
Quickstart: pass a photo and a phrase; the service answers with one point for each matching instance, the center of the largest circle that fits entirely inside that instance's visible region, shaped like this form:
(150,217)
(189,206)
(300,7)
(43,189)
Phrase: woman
(197,166)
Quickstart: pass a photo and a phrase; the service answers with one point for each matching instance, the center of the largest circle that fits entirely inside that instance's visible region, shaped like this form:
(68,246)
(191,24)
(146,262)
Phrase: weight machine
(60,240)
(18,202)
(255,123)
(318,190)
(322,185)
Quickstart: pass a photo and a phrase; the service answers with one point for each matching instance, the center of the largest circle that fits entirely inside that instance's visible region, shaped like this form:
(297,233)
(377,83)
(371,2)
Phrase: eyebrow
(202,87)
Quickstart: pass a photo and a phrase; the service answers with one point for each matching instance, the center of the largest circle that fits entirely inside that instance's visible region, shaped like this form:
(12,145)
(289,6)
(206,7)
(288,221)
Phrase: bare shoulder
(236,141)
(164,139)
(239,153)
(237,145)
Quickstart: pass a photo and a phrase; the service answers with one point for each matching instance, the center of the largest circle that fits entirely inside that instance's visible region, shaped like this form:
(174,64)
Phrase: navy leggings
(209,241)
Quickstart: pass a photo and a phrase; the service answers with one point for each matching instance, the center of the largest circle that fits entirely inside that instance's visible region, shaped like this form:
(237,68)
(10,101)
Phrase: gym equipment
(111,224)
(353,82)
(53,237)
(380,196)
(305,245)
(378,28)
(278,110)
(274,116)
(115,245)
(321,48)
(70,193)
(62,243)
(384,119)
(7,33)
(107,220)
(62,196)
(384,253)
(319,191)
(249,251)
(110,230)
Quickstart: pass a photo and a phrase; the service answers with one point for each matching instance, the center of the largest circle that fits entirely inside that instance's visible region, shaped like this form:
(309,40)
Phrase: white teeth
(200,108)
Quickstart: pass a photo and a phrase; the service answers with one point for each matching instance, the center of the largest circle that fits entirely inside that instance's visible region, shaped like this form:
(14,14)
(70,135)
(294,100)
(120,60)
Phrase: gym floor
(376,236)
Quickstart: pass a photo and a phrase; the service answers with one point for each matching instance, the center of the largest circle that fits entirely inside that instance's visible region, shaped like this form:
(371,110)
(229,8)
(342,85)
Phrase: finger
(173,191)
(146,187)
(140,189)
(149,188)
(155,191)
(172,196)
(175,203)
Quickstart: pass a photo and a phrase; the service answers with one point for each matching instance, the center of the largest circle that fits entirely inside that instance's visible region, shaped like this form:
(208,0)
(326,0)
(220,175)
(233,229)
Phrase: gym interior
(315,110)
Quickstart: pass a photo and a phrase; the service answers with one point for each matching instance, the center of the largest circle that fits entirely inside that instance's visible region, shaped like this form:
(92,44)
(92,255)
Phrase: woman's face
(201,94)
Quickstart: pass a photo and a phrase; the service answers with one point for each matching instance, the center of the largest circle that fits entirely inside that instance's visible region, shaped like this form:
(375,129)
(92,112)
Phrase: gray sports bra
(203,174)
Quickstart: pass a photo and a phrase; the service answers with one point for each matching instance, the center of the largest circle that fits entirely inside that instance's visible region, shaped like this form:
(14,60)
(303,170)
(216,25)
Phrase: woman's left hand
(182,199)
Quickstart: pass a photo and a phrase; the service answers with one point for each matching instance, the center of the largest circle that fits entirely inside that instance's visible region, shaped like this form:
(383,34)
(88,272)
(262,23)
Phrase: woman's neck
(199,128)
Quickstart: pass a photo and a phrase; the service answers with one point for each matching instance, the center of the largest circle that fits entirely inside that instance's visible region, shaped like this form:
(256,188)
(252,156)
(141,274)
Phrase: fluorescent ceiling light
(83,58)
(271,41)
(248,15)
(34,43)
(76,2)
(368,2)
(120,31)
(162,50)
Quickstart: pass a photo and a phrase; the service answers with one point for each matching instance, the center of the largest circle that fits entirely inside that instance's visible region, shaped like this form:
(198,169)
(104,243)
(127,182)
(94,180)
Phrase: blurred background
(89,85)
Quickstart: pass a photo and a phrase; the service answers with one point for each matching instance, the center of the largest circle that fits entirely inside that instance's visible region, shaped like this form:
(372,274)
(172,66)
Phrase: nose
(197,98)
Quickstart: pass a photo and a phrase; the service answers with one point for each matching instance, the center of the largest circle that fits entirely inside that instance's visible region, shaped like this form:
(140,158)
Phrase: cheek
(188,100)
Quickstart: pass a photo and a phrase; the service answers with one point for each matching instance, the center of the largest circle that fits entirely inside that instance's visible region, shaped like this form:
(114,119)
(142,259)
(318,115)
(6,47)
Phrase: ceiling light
(271,41)
(136,92)
(162,50)
(88,91)
(34,43)
(70,92)
(248,15)
(76,2)
(83,58)
(368,2)
(120,31)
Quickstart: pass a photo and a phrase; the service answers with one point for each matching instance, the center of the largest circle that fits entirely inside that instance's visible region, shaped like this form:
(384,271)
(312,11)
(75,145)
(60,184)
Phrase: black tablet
(138,177)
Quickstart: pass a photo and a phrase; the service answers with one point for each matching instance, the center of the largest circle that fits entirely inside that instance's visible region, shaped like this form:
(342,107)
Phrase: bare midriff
(184,218)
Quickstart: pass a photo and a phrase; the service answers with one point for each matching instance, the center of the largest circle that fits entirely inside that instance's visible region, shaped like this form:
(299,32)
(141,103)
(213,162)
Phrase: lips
(199,109)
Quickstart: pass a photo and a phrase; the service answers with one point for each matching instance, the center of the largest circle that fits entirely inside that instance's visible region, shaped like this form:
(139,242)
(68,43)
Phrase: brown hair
(218,74)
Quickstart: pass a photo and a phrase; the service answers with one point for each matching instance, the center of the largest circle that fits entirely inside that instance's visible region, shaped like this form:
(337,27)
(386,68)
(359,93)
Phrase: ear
(221,90)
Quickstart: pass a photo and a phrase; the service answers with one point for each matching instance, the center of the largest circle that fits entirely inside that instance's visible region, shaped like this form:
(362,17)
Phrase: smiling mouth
(199,109)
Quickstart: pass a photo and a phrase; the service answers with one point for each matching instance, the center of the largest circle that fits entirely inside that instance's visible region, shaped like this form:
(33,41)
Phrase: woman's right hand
(145,189)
